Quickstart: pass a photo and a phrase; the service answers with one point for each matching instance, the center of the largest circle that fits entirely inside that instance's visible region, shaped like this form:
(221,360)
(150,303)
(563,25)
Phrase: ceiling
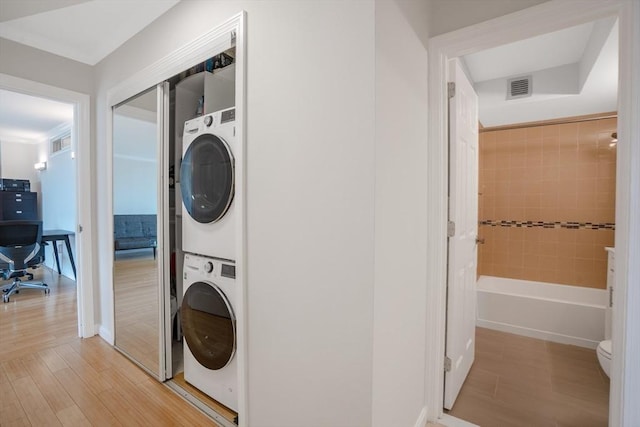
(74,29)
(538,53)
(574,72)
(28,119)
(82,30)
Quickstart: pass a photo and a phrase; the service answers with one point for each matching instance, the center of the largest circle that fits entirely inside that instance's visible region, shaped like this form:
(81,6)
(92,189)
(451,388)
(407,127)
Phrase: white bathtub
(559,313)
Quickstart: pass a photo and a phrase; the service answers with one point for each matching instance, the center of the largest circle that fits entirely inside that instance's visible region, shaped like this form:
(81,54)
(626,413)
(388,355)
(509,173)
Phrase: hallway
(49,376)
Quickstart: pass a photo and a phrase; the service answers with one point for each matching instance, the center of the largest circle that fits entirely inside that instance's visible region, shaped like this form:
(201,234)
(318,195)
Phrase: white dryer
(207,184)
(209,328)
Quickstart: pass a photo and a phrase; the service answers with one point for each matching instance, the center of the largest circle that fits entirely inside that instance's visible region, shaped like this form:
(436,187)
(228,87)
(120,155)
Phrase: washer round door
(208,325)
(207,178)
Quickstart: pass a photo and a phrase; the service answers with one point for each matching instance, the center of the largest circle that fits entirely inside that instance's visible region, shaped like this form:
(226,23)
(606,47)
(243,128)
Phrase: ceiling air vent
(519,87)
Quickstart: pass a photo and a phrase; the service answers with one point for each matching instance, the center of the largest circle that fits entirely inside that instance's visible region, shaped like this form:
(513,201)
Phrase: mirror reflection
(135,213)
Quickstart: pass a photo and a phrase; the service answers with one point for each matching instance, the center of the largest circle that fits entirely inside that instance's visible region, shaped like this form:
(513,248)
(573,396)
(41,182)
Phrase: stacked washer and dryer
(207,184)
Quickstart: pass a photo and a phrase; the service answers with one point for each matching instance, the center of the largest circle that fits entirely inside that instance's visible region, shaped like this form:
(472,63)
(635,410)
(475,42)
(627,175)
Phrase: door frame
(84,250)
(541,19)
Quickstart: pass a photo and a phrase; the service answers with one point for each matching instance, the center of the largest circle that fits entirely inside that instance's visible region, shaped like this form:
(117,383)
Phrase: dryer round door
(207,178)
(208,325)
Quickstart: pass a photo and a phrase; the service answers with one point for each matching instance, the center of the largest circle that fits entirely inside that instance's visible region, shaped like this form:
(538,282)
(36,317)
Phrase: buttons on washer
(208,120)
(208,267)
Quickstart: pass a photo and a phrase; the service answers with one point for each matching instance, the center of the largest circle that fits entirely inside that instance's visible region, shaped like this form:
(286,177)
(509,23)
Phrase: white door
(463,213)
(141,281)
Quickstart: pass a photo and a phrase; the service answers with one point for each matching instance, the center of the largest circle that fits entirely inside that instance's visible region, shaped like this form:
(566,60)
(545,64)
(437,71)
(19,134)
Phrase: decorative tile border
(557,224)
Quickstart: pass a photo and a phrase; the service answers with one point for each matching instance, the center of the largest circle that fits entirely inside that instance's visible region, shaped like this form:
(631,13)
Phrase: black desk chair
(20,249)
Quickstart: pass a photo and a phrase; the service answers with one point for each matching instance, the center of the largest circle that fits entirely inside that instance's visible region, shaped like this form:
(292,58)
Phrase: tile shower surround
(547,202)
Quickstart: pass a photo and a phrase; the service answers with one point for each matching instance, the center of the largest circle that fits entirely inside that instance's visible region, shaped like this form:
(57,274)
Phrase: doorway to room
(48,131)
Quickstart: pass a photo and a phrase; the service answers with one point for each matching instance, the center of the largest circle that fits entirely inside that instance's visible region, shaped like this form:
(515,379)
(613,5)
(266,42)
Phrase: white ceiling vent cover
(519,87)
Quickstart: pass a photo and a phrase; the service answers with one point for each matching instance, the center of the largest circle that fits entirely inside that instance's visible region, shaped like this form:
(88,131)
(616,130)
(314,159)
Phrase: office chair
(20,249)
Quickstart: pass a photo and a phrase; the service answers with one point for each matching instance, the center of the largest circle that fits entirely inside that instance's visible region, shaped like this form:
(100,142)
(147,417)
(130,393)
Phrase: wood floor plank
(20,422)
(72,417)
(48,384)
(33,321)
(52,359)
(92,357)
(14,370)
(89,403)
(151,412)
(3,376)
(34,404)
(95,382)
(122,408)
(128,368)
(73,381)
(10,409)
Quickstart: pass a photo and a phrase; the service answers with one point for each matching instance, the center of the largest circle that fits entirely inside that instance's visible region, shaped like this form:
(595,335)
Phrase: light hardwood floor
(137,321)
(50,377)
(520,381)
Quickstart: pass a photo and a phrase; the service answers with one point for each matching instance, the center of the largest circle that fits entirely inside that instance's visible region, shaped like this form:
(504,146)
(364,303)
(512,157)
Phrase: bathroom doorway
(592,123)
(546,214)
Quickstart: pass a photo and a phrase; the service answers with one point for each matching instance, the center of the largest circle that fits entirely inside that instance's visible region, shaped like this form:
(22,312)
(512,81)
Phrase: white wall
(58,183)
(400,213)
(17,161)
(135,166)
(310,160)
(134,186)
(33,64)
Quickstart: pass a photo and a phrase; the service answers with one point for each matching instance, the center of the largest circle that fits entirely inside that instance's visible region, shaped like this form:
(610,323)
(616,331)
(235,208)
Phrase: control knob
(208,267)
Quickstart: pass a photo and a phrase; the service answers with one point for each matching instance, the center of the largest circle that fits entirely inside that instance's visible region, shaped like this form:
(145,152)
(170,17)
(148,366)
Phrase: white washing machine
(207,184)
(209,328)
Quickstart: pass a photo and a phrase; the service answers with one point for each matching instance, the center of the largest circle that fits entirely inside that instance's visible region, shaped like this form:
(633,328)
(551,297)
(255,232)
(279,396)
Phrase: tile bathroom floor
(521,381)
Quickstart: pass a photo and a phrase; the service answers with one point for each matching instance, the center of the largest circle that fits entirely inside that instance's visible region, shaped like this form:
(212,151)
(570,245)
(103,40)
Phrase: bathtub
(559,313)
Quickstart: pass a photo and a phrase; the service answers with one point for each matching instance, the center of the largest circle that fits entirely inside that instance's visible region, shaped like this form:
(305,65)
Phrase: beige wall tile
(557,173)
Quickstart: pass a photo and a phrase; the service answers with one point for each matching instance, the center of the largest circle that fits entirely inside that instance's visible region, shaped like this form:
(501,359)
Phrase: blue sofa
(135,232)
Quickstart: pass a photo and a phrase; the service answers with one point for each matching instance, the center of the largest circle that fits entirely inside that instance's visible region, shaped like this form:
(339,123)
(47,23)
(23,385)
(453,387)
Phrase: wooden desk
(57,235)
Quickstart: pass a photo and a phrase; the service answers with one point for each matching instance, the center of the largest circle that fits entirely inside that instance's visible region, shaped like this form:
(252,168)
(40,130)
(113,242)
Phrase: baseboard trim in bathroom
(534,333)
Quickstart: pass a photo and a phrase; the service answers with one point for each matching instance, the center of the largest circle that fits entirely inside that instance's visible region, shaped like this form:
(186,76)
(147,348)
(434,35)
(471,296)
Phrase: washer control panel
(208,267)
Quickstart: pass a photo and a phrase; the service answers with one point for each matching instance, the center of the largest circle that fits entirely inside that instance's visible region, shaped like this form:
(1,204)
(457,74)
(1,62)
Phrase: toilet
(604,355)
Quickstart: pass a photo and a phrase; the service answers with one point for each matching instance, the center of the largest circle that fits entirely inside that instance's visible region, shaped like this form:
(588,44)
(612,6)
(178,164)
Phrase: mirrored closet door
(139,196)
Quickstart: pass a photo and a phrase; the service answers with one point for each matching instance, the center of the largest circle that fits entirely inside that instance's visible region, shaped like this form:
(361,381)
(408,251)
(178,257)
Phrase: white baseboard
(105,334)
(422,418)
(534,333)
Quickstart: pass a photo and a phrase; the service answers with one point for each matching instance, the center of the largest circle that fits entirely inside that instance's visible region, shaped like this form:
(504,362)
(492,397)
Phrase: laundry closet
(176,150)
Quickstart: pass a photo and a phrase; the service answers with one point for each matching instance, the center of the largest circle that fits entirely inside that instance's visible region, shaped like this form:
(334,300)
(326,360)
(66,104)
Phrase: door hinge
(451,89)
(447,364)
(451,228)
(79,228)
(610,296)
